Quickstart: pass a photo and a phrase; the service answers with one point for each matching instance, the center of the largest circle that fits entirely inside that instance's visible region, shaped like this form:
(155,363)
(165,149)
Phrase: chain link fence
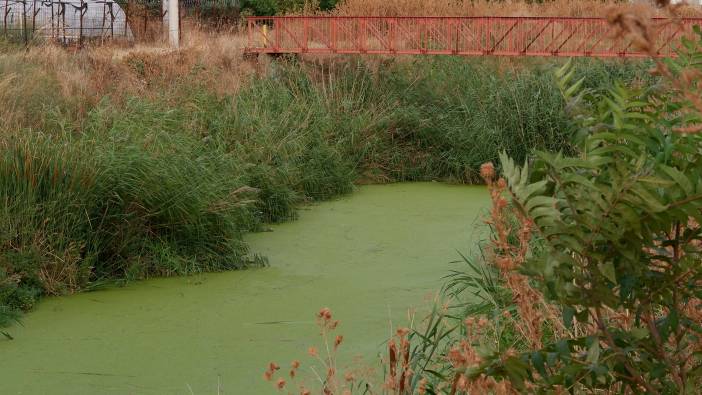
(77,21)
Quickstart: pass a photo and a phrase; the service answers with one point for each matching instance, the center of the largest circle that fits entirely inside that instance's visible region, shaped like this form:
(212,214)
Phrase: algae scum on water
(369,257)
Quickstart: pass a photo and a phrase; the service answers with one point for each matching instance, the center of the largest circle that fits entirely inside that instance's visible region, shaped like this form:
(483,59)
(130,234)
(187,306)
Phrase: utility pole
(173,23)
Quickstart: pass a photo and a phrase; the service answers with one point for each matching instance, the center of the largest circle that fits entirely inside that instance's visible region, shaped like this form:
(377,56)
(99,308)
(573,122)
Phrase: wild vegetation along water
(156,166)
(368,256)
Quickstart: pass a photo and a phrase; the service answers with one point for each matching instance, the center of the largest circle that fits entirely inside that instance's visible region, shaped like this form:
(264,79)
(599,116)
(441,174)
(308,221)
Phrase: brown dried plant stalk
(508,255)
(329,379)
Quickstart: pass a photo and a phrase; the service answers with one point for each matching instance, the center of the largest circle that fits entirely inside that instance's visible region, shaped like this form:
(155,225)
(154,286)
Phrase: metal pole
(80,31)
(126,19)
(164,18)
(63,24)
(24,22)
(4,17)
(112,21)
(173,25)
(53,23)
(145,9)
(34,16)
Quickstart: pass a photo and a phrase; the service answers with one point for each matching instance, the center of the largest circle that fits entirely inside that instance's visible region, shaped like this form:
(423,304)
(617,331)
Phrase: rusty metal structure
(469,36)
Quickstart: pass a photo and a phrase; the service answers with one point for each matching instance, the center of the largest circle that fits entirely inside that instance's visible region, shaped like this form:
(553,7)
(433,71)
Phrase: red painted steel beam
(468,36)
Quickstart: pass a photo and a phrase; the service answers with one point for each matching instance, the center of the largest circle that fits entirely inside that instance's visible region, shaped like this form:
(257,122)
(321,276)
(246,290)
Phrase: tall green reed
(168,182)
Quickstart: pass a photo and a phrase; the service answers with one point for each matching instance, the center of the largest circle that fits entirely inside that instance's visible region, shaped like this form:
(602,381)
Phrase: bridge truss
(502,36)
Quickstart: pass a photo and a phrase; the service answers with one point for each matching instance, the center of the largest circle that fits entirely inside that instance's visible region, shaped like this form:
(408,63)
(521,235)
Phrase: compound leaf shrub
(620,227)
(591,279)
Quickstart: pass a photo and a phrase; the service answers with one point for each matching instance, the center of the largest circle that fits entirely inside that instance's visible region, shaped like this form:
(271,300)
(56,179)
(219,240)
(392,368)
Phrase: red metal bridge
(502,36)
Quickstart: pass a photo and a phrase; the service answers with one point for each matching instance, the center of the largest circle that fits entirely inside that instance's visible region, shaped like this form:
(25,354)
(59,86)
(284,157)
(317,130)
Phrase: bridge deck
(503,36)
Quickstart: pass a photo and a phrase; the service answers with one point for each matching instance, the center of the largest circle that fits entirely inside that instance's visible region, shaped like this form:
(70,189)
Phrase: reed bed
(125,163)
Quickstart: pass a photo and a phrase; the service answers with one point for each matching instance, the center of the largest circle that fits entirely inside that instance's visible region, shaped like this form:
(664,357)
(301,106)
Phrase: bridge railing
(504,36)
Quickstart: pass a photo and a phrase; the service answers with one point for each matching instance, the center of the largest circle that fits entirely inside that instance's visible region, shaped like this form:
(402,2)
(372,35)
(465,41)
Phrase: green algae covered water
(369,257)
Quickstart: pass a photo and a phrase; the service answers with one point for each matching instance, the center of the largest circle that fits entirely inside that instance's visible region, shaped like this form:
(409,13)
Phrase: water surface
(369,257)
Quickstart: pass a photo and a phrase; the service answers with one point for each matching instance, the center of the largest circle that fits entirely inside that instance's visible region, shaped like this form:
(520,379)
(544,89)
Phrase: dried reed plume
(509,255)
(329,381)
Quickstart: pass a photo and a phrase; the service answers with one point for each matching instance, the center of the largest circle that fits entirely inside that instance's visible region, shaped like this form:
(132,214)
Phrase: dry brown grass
(216,57)
(76,80)
(575,8)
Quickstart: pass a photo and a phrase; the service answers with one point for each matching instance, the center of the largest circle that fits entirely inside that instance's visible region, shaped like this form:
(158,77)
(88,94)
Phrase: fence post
(112,21)
(34,15)
(173,23)
(63,21)
(4,16)
(52,20)
(146,21)
(164,18)
(126,19)
(24,22)
(80,31)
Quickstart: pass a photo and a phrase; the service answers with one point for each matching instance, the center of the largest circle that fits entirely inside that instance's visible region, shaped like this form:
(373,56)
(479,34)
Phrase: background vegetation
(126,164)
(590,281)
(575,8)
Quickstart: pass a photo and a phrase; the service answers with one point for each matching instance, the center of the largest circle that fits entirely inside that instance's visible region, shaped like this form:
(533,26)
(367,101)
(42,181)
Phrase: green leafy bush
(607,294)
(281,7)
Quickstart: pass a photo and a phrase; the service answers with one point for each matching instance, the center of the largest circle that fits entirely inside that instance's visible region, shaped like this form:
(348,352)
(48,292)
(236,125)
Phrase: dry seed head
(456,357)
(325,313)
(392,352)
(402,332)
(422,387)
(390,383)
(482,322)
(511,353)
(462,383)
(487,171)
(503,263)
(338,341)
(312,351)
(408,376)
(348,376)
(280,384)
(295,364)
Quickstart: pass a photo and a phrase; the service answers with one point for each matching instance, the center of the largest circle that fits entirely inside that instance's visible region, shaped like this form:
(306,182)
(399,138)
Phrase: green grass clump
(419,119)
(80,211)
(168,181)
